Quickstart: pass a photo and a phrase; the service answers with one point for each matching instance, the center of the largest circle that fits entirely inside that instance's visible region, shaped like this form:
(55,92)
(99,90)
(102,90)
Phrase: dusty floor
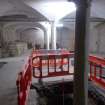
(33,99)
(8,75)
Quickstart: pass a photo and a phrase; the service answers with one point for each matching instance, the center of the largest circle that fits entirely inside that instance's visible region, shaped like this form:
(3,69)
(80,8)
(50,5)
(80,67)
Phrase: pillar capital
(82,3)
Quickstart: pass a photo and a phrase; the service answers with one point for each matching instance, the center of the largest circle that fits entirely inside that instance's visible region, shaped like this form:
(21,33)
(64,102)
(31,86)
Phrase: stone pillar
(1,35)
(81,52)
(48,38)
(45,39)
(53,35)
(47,34)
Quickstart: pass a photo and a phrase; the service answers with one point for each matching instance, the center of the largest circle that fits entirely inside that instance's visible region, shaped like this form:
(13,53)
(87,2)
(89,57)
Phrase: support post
(48,38)
(1,35)
(81,52)
(47,34)
(45,39)
(53,35)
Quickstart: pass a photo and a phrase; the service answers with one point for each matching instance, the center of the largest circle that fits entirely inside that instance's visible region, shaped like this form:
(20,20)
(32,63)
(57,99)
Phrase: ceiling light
(59,25)
(54,10)
(58,10)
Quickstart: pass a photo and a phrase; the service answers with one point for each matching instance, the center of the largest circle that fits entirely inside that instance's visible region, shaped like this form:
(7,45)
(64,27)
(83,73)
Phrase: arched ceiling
(17,7)
(21,7)
(35,28)
(52,10)
(21,26)
(97,12)
(97,7)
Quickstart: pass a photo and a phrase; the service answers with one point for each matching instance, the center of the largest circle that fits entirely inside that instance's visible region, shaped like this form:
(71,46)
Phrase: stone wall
(65,38)
(97,39)
(33,36)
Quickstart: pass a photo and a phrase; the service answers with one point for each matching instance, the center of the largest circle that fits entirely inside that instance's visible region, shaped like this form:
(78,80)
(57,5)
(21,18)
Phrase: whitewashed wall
(97,39)
(101,38)
(93,39)
(33,36)
(9,34)
(65,38)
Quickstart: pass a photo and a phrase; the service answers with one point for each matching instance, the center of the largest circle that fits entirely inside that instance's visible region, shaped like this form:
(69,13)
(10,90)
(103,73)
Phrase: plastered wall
(101,38)
(65,38)
(33,36)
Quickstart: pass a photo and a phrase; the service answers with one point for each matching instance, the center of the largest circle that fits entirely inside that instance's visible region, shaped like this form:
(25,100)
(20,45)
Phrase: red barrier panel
(23,83)
(97,70)
(54,63)
(41,53)
(97,65)
(47,63)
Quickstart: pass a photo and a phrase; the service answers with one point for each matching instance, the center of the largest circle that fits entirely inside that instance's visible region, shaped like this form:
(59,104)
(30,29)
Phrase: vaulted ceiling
(12,9)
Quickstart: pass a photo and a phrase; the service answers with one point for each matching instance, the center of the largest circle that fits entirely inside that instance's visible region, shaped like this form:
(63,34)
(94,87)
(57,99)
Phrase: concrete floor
(8,75)
(33,99)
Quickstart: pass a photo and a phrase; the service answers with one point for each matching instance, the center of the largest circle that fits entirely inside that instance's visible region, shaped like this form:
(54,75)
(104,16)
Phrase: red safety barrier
(45,63)
(39,53)
(23,83)
(97,70)
(54,62)
(51,59)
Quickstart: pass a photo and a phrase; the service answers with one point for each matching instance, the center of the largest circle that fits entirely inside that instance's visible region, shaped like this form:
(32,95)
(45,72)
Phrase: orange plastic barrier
(23,83)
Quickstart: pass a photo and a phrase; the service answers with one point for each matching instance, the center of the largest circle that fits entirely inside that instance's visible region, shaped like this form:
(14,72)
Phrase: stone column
(81,52)
(47,38)
(47,34)
(53,35)
(1,35)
